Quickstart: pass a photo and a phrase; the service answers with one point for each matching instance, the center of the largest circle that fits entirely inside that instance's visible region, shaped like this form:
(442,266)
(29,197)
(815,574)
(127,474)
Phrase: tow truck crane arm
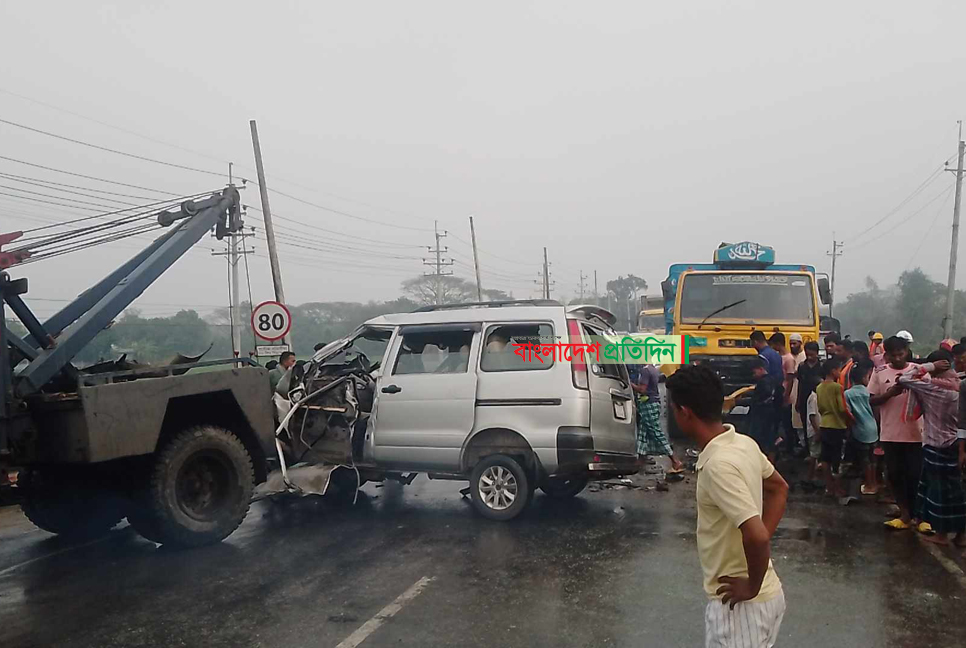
(52,345)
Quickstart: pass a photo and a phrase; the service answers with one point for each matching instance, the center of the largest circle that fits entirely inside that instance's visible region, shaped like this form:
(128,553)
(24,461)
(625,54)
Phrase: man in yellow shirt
(741,498)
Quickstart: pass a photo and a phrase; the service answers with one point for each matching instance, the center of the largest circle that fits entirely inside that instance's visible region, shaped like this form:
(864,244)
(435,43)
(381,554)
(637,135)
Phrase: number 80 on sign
(271,320)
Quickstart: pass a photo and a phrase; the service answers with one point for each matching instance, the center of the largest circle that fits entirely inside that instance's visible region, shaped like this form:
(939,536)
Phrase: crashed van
(451,392)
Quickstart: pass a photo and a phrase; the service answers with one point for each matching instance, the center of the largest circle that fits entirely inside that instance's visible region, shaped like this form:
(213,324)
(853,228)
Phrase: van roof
(506,312)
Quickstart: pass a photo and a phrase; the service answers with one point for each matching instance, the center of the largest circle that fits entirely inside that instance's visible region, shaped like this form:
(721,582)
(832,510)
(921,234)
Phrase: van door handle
(391,389)
(616,393)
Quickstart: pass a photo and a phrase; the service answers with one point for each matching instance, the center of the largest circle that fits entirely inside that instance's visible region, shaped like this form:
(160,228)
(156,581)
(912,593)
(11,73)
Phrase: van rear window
(499,352)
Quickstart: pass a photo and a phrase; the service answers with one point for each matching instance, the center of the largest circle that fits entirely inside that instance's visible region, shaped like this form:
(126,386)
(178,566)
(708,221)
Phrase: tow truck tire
(67,505)
(500,488)
(563,488)
(200,489)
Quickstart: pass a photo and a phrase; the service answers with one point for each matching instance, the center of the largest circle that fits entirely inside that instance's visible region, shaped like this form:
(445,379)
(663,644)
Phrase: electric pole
(546,275)
(439,264)
(954,244)
(269,227)
(476,262)
(580,286)
(835,253)
(237,236)
(596,295)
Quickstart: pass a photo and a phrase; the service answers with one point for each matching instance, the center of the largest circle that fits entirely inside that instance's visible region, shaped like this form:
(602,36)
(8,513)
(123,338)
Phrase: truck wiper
(723,308)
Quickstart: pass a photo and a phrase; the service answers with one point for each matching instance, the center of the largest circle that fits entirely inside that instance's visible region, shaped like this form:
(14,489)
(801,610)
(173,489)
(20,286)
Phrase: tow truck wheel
(499,487)
(200,489)
(67,504)
(564,487)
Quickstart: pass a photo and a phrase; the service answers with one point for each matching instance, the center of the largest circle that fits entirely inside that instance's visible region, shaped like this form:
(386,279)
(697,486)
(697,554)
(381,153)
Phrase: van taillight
(578,366)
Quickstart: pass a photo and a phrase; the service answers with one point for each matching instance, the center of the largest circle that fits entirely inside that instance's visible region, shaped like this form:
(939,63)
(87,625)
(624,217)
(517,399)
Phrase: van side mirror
(824,291)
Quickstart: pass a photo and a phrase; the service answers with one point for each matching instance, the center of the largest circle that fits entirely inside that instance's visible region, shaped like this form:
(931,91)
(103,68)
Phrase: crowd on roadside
(871,420)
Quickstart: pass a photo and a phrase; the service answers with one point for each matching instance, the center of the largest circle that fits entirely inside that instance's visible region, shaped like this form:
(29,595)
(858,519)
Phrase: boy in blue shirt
(864,432)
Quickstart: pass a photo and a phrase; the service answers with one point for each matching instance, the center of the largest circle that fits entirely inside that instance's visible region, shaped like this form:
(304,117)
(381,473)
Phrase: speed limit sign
(271,320)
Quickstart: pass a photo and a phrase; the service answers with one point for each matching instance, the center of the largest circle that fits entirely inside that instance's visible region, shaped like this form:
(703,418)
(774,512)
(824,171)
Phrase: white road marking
(387,612)
(4,572)
(944,560)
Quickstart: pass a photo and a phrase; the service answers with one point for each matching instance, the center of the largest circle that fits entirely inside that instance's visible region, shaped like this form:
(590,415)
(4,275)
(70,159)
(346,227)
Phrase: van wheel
(499,487)
(564,487)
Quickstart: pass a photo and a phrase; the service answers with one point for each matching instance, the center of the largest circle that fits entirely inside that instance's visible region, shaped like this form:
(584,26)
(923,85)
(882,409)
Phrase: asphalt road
(415,566)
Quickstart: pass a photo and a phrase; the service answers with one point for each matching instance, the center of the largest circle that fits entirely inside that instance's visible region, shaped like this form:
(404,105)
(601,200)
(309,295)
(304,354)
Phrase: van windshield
(747,298)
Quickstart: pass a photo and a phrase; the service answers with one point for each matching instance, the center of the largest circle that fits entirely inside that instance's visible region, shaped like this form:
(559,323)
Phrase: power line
(915,192)
(109,150)
(40,182)
(903,222)
(81,175)
(929,229)
(339,211)
(72,200)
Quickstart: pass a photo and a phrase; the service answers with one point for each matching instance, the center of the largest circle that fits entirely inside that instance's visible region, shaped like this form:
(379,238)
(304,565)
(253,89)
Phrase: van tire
(494,481)
(563,488)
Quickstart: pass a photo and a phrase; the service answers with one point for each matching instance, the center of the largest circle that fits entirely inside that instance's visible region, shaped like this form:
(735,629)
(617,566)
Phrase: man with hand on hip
(741,498)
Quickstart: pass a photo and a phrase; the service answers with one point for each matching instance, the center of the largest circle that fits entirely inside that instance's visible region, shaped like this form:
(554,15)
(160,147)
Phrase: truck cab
(719,304)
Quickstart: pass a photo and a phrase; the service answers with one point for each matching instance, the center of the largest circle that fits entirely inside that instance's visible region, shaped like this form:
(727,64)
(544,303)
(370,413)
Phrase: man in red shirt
(901,436)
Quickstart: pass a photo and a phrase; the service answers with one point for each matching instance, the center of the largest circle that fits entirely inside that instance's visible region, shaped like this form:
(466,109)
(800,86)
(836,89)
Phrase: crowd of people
(870,419)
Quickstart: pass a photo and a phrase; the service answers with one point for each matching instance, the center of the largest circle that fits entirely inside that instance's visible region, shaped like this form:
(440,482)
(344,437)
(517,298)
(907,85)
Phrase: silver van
(446,391)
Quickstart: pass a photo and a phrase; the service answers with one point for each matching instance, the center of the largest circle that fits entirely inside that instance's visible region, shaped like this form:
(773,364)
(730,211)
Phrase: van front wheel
(499,487)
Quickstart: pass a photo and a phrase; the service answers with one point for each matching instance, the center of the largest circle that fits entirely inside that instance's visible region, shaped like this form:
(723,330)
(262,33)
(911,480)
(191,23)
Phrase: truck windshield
(773,297)
(650,322)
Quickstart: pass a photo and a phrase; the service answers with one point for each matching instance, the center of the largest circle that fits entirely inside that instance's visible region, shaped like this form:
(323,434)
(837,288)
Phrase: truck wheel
(200,489)
(67,505)
(564,487)
(499,487)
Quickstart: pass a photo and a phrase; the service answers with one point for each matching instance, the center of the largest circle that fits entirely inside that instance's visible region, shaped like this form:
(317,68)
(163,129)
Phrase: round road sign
(271,320)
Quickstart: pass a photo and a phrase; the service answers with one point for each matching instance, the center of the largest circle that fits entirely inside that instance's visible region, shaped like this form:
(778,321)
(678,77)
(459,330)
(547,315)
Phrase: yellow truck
(719,304)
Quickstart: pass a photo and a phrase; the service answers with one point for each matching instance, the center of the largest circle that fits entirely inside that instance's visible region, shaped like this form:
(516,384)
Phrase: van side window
(442,352)
(500,354)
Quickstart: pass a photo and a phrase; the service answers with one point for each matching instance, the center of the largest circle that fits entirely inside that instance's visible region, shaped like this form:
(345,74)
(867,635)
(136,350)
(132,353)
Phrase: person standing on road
(761,408)
(798,422)
(285,362)
(807,378)
(835,422)
(740,499)
(772,359)
(940,500)
(900,435)
(651,437)
(864,433)
(876,349)
(784,402)
(844,351)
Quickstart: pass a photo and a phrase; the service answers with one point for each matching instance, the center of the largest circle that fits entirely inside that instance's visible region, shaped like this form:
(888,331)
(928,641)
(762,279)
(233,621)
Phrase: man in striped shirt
(741,498)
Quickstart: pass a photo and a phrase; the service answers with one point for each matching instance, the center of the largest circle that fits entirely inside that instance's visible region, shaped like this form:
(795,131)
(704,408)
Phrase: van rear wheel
(499,487)
(564,487)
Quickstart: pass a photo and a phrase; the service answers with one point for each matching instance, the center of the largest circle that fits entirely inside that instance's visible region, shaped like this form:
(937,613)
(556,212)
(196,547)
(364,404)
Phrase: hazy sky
(624,136)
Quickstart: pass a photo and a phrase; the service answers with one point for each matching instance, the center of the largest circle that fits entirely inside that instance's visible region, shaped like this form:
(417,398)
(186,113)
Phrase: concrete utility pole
(546,276)
(580,286)
(476,261)
(269,227)
(954,244)
(439,264)
(835,253)
(596,295)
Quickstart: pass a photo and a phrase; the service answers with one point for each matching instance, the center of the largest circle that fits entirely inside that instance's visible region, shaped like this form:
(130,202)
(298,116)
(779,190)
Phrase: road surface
(415,566)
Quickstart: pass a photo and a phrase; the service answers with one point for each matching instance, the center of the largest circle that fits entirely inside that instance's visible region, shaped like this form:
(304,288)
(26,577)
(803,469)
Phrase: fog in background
(623,136)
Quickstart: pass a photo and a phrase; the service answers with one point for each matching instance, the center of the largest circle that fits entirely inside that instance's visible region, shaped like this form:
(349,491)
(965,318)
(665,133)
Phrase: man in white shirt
(741,498)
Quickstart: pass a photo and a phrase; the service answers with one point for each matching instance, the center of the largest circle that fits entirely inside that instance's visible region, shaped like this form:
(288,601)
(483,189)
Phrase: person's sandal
(897,525)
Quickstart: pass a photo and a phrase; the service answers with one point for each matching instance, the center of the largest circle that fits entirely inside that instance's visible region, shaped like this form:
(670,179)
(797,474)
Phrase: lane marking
(387,612)
(948,565)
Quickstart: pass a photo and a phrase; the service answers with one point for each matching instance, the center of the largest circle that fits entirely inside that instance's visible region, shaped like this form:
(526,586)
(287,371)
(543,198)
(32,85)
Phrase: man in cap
(876,349)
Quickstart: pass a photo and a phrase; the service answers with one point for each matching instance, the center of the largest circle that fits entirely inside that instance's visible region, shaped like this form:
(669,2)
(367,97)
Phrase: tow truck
(176,452)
